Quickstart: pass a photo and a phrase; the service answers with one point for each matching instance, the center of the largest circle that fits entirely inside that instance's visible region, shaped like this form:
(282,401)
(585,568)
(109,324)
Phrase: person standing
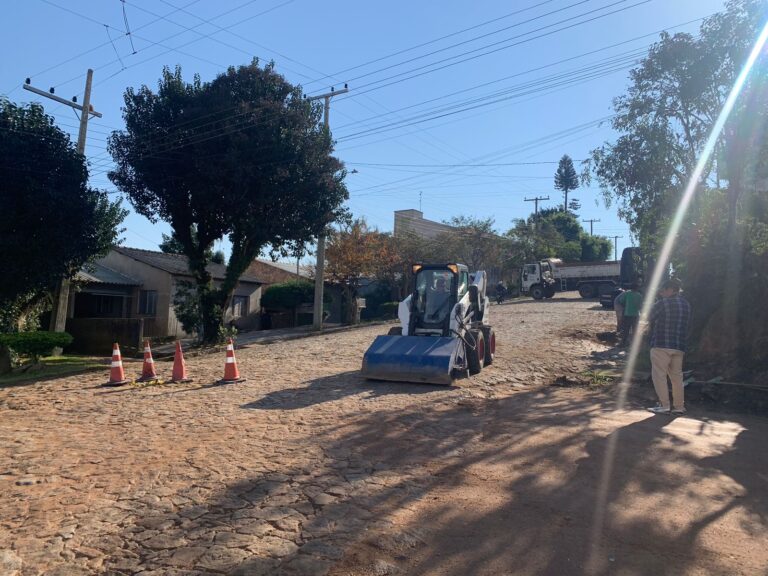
(669,323)
(618,306)
(632,303)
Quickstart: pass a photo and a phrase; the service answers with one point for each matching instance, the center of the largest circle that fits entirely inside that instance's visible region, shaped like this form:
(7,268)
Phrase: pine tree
(566,178)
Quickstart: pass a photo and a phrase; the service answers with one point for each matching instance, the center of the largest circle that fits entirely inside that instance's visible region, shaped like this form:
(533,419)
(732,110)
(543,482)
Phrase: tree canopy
(566,178)
(243,156)
(51,223)
(558,234)
(663,121)
(356,251)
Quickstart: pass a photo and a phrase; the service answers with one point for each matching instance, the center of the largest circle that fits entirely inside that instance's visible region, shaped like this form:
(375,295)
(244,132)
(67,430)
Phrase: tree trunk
(5,360)
(352,312)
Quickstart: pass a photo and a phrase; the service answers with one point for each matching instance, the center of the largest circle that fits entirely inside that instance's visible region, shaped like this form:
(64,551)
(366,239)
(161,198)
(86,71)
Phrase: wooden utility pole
(616,247)
(317,317)
(591,224)
(61,296)
(536,201)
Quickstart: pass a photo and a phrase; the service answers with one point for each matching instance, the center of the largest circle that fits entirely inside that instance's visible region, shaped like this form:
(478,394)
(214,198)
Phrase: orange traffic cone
(179,367)
(116,372)
(148,368)
(231,373)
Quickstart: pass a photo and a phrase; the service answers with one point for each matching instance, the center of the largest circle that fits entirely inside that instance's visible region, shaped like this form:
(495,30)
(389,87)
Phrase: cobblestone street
(306,468)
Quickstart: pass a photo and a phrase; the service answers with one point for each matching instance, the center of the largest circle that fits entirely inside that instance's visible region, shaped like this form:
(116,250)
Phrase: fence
(96,335)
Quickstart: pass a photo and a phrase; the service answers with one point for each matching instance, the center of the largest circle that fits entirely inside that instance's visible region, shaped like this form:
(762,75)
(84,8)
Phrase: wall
(413,221)
(96,335)
(164,322)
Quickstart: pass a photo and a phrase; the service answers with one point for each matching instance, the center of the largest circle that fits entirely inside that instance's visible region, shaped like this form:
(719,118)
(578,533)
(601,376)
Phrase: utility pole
(591,224)
(616,247)
(536,208)
(317,316)
(61,297)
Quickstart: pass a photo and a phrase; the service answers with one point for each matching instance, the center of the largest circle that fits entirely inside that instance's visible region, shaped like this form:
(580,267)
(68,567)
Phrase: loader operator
(437,300)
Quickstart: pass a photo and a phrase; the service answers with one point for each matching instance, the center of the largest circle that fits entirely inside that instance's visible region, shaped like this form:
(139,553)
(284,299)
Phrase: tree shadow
(465,486)
(337,387)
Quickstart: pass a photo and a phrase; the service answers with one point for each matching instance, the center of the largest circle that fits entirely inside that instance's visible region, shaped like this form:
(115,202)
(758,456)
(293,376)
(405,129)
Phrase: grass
(52,367)
(599,378)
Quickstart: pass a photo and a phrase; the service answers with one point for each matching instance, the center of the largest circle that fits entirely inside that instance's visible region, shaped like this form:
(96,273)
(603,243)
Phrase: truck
(592,279)
(631,273)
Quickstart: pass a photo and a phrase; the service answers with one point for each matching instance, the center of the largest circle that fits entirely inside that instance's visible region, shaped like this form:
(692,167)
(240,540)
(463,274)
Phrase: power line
(433,41)
(474,57)
(474,39)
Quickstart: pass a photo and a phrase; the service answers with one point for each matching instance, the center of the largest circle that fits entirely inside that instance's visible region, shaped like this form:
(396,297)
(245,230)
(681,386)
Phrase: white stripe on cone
(230,360)
(230,348)
(117,364)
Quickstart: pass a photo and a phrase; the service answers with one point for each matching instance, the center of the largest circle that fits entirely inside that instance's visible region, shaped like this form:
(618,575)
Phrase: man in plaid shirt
(669,322)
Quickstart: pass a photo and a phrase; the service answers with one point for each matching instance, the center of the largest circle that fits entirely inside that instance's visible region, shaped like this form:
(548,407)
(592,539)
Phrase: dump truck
(632,273)
(591,279)
(444,329)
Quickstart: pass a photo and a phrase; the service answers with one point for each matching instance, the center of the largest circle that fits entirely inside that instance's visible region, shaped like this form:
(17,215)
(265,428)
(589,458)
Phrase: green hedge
(35,344)
(290,295)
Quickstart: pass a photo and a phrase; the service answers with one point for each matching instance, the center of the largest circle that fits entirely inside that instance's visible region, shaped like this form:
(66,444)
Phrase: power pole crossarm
(536,205)
(591,225)
(317,320)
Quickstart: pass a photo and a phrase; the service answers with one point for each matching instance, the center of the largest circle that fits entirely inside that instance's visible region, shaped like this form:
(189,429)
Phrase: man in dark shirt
(669,321)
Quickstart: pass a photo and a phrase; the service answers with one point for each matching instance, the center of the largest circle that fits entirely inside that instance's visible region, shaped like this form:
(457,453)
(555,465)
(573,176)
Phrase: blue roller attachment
(424,359)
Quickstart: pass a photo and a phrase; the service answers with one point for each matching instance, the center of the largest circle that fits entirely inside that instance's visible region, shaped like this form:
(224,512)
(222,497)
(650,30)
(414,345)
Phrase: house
(129,294)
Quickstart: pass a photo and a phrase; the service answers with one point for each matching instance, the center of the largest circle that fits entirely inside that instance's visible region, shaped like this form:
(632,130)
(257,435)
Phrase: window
(239,306)
(105,305)
(148,302)
(463,284)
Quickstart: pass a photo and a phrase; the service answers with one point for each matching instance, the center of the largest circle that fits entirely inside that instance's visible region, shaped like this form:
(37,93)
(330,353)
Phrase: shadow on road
(477,486)
(336,387)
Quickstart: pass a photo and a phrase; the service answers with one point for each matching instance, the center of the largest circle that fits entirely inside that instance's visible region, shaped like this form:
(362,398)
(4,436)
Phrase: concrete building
(413,221)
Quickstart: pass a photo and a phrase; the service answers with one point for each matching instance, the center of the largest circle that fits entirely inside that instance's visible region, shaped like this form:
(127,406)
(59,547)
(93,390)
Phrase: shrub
(388,309)
(290,295)
(35,344)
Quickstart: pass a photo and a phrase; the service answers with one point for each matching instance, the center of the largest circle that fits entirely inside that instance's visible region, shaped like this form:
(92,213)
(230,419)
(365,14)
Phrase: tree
(172,245)
(558,234)
(355,252)
(243,156)
(663,121)
(595,248)
(574,205)
(566,178)
(474,243)
(51,222)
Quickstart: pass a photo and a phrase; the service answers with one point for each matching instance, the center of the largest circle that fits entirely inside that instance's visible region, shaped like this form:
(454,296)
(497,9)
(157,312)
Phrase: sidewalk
(245,339)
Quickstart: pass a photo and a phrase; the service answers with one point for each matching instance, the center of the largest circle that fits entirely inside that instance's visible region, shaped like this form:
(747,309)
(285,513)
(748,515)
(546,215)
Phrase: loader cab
(436,291)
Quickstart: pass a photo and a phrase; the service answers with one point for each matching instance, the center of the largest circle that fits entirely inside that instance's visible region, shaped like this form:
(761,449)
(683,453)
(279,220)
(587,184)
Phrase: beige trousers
(668,362)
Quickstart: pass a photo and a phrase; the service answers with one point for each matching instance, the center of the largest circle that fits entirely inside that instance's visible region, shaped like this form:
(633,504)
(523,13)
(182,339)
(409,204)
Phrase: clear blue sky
(438,91)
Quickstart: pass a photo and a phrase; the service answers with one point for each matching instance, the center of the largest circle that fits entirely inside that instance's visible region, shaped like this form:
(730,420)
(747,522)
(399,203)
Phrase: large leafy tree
(566,178)
(663,121)
(355,252)
(243,156)
(51,222)
(559,234)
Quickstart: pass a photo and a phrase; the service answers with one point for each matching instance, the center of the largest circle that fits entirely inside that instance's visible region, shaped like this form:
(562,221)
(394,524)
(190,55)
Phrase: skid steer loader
(444,329)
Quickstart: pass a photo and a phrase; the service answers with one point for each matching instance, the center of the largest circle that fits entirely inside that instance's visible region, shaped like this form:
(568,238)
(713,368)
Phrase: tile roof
(176,263)
(96,273)
(304,270)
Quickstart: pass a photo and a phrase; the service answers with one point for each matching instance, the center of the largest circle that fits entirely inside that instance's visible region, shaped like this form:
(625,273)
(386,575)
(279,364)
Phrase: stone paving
(267,476)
